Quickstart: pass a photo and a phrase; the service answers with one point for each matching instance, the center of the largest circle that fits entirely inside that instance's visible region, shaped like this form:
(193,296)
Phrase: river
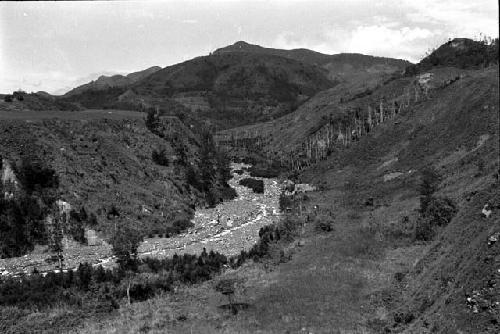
(228,228)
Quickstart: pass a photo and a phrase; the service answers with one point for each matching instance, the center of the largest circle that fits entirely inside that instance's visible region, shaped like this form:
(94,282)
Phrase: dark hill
(462,53)
(227,90)
(346,67)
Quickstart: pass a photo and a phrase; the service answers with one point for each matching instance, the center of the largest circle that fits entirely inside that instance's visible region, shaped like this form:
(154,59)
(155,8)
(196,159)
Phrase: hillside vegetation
(398,232)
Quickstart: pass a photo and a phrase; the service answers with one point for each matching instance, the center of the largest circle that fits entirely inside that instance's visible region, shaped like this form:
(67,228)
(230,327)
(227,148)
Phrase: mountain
(104,82)
(227,90)
(232,89)
(343,67)
(240,84)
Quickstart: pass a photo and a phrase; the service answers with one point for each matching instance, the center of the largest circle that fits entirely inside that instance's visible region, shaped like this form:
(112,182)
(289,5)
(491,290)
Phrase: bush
(440,211)
(182,225)
(8,98)
(256,185)
(125,243)
(285,202)
(160,157)
(423,230)
(430,179)
(35,176)
(228,193)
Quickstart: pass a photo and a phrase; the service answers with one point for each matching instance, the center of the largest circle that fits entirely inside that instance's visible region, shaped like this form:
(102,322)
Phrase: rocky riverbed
(228,228)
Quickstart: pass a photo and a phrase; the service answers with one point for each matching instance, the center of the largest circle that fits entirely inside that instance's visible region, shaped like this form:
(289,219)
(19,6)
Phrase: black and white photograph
(249,166)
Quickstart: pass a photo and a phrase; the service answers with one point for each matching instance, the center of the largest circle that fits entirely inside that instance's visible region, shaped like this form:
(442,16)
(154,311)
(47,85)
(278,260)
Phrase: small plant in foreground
(227,288)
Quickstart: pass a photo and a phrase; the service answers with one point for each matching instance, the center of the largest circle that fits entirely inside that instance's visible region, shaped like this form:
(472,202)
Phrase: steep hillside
(115,166)
(344,67)
(105,82)
(452,286)
(342,114)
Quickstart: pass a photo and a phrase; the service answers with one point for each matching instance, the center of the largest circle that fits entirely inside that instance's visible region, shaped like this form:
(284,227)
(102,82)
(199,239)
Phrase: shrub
(228,193)
(256,185)
(423,230)
(8,98)
(182,225)
(35,176)
(440,211)
(125,243)
(160,157)
(430,179)
(285,202)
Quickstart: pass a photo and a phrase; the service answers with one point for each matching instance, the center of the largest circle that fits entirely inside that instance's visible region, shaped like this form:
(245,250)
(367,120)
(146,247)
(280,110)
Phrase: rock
(486,212)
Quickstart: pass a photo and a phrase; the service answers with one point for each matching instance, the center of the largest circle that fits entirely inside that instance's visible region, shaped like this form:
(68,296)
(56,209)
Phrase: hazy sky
(54,46)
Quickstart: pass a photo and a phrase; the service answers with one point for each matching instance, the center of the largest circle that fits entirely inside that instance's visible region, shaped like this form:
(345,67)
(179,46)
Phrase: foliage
(266,170)
(77,222)
(19,95)
(440,211)
(434,211)
(125,243)
(428,185)
(36,177)
(160,157)
(152,121)
(285,202)
(461,53)
(256,185)
(22,217)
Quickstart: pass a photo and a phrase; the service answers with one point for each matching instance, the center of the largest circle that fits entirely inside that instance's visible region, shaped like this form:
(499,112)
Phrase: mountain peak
(240,46)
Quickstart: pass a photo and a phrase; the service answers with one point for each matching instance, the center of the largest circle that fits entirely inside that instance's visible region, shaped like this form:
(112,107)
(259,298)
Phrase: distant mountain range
(238,84)
(104,82)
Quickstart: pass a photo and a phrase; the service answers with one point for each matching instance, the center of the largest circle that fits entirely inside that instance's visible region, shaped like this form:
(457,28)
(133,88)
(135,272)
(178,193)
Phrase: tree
(125,243)
(153,121)
(428,186)
(57,237)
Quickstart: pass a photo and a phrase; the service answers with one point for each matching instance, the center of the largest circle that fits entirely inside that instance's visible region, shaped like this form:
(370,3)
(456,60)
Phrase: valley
(379,211)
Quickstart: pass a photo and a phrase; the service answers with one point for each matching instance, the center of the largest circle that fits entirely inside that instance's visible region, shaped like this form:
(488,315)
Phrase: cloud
(380,40)
(392,42)
(459,18)
(189,21)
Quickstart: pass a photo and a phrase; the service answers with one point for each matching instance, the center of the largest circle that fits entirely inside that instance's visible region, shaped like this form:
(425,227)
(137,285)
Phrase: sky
(55,46)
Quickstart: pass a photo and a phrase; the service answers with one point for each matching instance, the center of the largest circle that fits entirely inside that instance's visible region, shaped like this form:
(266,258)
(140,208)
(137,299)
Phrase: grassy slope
(101,161)
(344,281)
